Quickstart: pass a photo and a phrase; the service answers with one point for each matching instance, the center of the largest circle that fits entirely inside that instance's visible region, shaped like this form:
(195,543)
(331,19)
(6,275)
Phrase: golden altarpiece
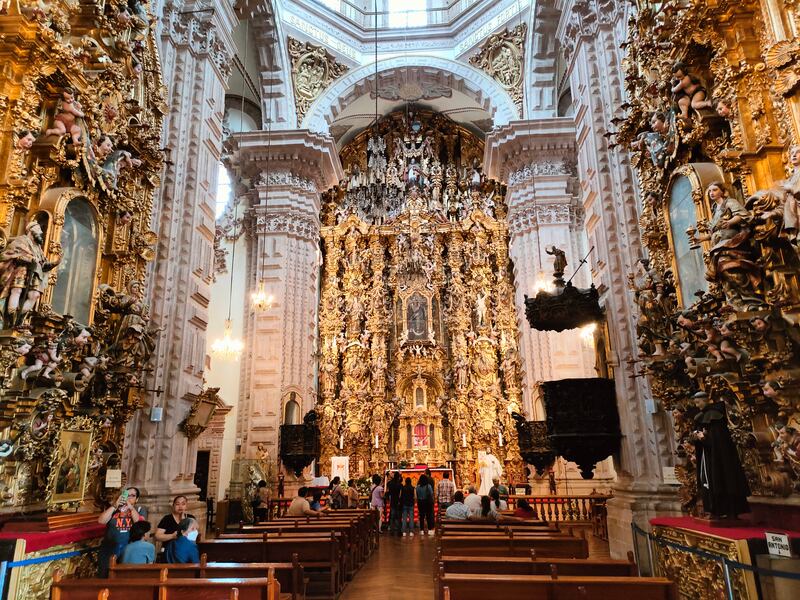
(419,361)
(712,123)
(81,108)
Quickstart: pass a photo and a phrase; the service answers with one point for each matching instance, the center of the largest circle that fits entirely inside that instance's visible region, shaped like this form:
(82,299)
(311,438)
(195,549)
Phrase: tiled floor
(400,569)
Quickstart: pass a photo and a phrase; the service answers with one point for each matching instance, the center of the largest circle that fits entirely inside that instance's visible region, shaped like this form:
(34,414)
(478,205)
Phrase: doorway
(201,472)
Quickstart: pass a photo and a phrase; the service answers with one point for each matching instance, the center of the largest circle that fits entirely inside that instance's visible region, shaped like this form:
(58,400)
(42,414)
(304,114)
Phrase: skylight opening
(407,13)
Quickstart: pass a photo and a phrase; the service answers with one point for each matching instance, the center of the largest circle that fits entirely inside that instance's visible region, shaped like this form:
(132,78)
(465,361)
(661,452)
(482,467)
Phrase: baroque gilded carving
(419,359)
(313,69)
(714,145)
(502,57)
(80,157)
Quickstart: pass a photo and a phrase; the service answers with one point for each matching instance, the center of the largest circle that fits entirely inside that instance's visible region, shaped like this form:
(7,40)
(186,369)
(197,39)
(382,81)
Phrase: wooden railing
(570,509)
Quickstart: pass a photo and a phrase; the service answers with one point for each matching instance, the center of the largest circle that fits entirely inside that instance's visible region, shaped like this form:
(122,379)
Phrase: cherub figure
(46,360)
(687,90)
(66,121)
(25,139)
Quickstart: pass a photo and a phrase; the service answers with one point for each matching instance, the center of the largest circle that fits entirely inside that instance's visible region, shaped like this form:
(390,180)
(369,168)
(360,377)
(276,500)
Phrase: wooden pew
(482,586)
(289,575)
(513,545)
(259,588)
(321,557)
(521,565)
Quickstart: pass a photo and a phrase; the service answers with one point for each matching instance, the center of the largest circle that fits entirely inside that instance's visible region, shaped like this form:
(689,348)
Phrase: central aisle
(400,569)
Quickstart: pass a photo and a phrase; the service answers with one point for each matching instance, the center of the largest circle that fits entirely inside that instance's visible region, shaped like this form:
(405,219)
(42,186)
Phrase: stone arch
(484,90)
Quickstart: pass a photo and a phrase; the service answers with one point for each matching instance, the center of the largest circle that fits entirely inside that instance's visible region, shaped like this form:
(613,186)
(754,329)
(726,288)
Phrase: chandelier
(260,300)
(228,347)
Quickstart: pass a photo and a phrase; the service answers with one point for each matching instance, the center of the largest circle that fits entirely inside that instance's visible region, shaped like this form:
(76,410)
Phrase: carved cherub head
(25,140)
(104,147)
(794,155)
(724,108)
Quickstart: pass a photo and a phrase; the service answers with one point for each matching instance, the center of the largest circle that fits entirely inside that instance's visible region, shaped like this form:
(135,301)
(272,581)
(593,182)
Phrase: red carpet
(744,532)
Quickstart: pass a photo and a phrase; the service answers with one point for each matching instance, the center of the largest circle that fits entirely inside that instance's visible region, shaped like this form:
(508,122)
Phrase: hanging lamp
(260,300)
(228,347)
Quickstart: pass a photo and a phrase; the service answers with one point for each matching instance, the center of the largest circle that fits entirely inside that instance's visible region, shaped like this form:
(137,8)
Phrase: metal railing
(7,565)
(728,566)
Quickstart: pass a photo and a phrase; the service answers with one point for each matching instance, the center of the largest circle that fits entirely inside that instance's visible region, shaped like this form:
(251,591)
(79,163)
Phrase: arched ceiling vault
(464,93)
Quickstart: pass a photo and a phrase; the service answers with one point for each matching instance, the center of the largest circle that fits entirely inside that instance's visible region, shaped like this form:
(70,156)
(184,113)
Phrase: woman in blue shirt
(184,548)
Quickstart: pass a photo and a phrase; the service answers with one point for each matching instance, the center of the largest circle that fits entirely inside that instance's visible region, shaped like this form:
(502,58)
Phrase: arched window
(74,288)
(291,411)
(690,277)
(419,397)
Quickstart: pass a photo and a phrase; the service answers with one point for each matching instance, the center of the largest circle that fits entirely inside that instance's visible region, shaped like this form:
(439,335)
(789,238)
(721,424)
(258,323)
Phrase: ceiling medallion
(412,91)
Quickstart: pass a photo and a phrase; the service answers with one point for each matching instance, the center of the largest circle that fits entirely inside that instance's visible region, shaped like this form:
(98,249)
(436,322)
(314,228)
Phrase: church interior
(383,299)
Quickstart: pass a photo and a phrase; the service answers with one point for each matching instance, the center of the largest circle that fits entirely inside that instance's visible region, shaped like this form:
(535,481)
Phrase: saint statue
(480,308)
(559,261)
(488,469)
(22,268)
(721,481)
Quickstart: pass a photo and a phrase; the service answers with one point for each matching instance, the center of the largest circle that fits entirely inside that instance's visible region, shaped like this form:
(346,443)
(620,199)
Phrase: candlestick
(376,440)
(341,442)
(500,437)
(463,440)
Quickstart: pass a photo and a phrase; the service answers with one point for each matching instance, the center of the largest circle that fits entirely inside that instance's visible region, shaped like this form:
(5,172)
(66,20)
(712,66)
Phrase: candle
(376,440)
(500,437)
(341,442)
(463,440)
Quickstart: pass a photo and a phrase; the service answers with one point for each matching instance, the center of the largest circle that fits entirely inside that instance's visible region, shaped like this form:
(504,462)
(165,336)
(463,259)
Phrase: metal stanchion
(727,573)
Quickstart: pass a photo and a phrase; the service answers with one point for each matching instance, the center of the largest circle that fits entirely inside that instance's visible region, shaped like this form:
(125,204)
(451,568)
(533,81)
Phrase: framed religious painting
(69,465)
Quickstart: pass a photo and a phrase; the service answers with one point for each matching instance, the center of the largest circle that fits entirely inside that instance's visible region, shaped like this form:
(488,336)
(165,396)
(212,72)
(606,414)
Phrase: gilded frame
(74,435)
(700,175)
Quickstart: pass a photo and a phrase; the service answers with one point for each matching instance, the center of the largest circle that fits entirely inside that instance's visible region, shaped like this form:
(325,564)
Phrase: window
(419,398)
(407,13)
(689,262)
(223,190)
(74,289)
(291,412)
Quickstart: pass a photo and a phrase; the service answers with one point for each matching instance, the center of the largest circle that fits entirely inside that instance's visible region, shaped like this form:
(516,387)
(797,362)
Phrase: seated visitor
(457,510)
(167,528)
(485,512)
(472,500)
(300,506)
(316,500)
(524,510)
(184,548)
(498,505)
(139,550)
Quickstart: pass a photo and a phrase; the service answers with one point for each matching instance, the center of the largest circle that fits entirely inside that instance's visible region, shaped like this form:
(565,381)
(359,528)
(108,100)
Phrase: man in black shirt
(395,510)
(167,528)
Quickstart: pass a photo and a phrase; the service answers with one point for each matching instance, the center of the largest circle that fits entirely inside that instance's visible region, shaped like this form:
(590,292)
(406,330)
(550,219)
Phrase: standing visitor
(457,510)
(444,494)
(264,495)
(184,549)
(337,496)
(394,487)
(118,519)
(407,503)
(167,528)
(352,494)
(139,550)
(376,499)
(425,505)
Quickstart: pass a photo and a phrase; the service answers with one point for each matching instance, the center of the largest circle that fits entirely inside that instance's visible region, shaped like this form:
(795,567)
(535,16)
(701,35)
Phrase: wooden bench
(513,545)
(321,557)
(520,565)
(260,588)
(289,575)
(482,586)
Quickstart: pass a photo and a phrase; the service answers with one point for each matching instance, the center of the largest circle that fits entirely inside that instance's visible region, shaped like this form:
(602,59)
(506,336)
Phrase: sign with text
(778,544)
(114,478)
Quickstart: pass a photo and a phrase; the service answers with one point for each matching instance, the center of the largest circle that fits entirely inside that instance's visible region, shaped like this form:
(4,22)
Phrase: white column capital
(543,146)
